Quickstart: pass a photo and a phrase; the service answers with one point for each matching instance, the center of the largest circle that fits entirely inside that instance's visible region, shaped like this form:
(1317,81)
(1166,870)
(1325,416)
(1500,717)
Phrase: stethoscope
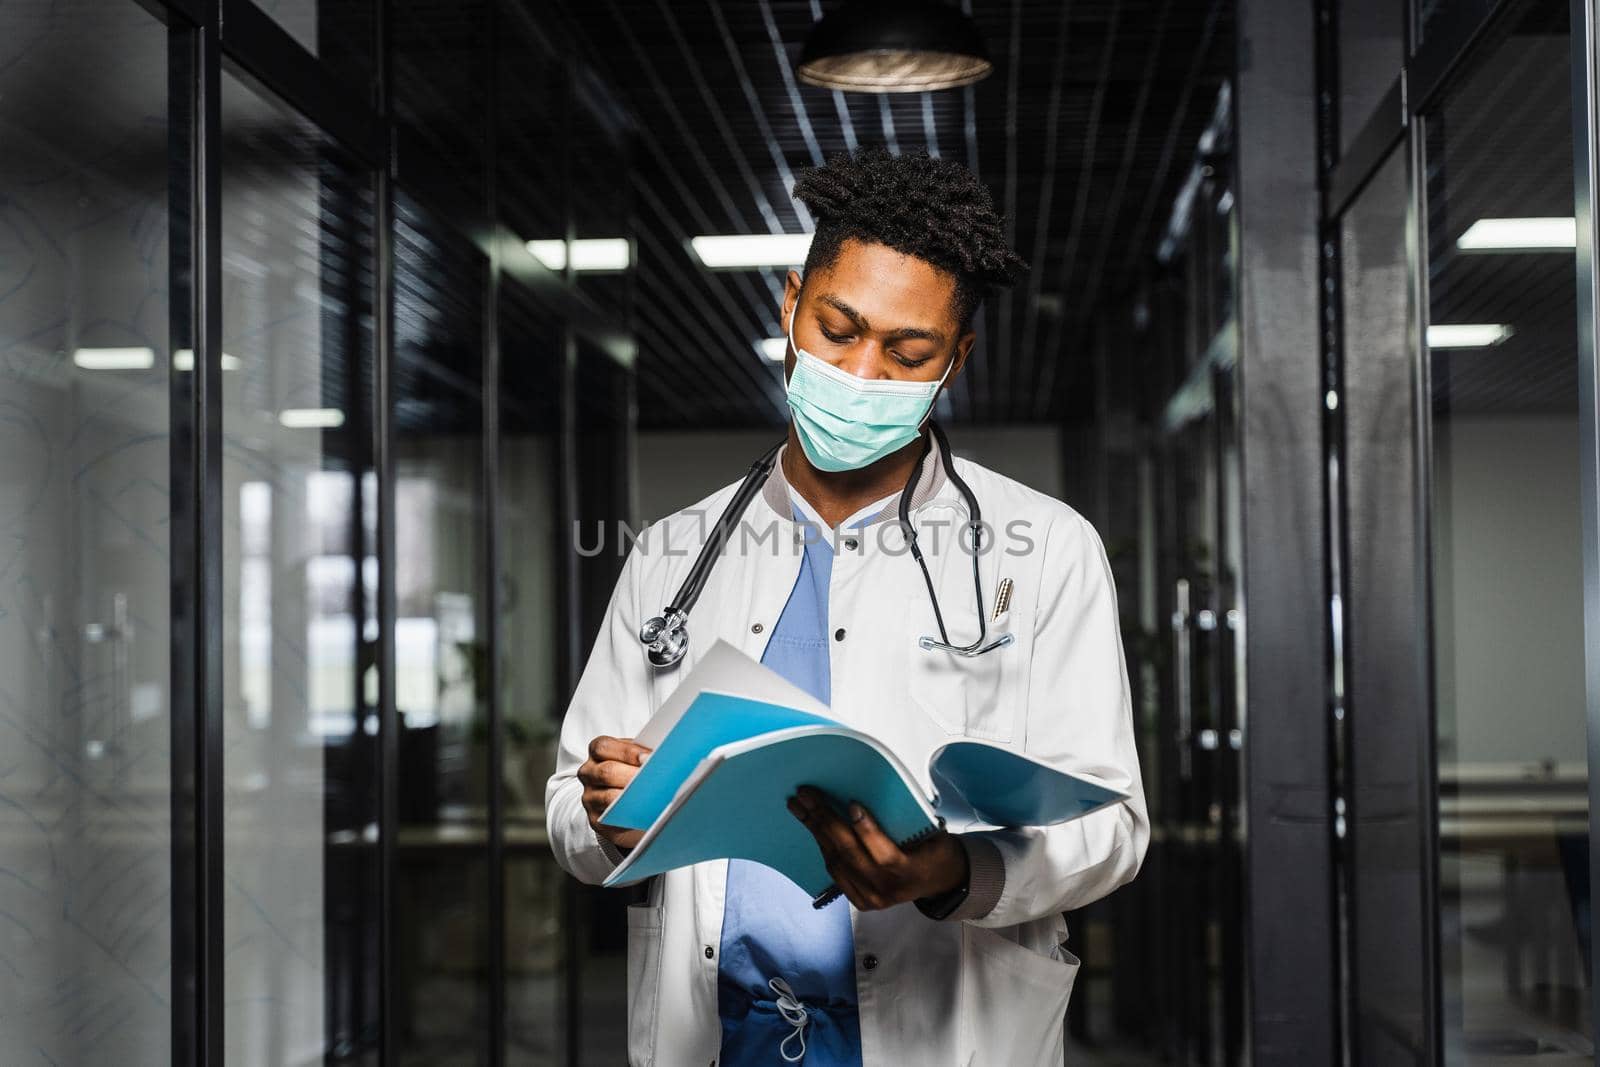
(666,636)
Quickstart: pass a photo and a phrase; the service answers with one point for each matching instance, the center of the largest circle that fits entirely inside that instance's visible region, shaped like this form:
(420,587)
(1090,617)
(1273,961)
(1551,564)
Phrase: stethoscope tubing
(665,636)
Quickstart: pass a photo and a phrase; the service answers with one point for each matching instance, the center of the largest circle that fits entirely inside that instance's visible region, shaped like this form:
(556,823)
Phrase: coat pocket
(1013,1001)
(967,696)
(644,982)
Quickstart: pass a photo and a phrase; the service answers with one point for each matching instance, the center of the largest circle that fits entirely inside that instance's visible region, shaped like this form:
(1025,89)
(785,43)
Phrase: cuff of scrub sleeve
(986,878)
(612,852)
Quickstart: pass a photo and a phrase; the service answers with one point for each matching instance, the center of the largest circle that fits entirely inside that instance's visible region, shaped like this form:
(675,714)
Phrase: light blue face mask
(845,422)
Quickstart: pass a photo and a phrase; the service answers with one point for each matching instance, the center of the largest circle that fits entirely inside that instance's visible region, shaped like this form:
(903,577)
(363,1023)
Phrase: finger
(621,749)
(877,844)
(607,775)
(596,801)
(813,823)
(845,881)
(855,884)
(857,892)
(838,838)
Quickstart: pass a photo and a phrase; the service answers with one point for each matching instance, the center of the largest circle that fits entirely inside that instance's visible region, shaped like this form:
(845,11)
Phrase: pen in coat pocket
(1002,599)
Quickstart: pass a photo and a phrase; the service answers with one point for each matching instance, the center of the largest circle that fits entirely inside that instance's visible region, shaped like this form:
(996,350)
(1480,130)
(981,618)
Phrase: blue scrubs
(769,928)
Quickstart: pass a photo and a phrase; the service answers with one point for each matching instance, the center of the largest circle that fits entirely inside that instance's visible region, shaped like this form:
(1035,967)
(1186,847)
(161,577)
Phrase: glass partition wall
(1462,763)
(1458,448)
(299,520)
(87,371)
(1507,552)
(287,498)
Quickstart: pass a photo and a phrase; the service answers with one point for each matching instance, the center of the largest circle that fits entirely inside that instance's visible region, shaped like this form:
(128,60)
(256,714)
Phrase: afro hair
(933,209)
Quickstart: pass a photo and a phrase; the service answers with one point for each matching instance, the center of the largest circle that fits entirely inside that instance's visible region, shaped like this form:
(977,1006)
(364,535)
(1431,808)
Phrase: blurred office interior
(334,332)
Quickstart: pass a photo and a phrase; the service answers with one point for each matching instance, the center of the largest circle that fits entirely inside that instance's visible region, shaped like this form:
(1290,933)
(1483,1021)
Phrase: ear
(792,283)
(964,345)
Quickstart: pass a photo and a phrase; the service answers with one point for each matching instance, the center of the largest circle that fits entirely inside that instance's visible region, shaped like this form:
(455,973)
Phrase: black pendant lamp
(894,46)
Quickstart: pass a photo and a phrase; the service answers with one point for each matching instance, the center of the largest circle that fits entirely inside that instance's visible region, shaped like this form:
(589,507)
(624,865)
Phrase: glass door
(1197,800)
(86,629)
(1199,782)
(1507,553)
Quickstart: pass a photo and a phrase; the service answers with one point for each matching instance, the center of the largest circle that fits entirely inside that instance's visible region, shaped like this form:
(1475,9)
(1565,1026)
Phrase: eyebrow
(860,320)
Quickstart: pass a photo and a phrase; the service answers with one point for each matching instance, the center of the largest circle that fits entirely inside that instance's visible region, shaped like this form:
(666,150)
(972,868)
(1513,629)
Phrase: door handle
(1182,665)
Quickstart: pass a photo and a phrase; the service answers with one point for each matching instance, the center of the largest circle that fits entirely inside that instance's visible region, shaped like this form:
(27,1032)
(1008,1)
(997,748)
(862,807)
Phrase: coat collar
(931,478)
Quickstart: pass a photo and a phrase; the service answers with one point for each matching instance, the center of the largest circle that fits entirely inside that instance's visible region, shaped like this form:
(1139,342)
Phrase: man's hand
(868,867)
(612,763)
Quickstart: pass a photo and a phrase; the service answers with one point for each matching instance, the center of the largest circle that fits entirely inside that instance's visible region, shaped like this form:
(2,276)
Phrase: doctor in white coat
(951,951)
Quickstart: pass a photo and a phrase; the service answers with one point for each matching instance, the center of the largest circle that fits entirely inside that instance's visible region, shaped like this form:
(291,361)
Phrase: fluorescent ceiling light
(742,251)
(311,418)
(588,253)
(1520,235)
(183,359)
(114,358)
(774,348)
(1467,334)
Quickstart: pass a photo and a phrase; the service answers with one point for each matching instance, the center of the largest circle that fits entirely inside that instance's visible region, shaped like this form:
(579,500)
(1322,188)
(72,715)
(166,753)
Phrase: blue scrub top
(769,928)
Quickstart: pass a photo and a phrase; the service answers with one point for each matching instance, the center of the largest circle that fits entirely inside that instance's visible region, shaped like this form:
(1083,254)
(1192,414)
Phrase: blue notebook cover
(978,782)
(723,767)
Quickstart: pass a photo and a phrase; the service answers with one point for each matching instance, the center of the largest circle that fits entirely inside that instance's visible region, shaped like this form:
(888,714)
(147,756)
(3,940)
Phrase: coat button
(710,952)
(757,628)
(869,962)
(838,635)
(851,543)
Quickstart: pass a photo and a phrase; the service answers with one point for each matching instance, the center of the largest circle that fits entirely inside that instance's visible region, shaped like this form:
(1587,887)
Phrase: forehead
(890,289)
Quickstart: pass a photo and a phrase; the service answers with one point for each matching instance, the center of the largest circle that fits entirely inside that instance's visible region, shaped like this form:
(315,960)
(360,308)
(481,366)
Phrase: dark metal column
(384,465)
(1288,868)
(195,74)
(1586,130)
(496,859)
(1388,783)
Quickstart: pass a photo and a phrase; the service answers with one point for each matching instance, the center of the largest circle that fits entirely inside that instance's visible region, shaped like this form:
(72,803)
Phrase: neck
(839,494)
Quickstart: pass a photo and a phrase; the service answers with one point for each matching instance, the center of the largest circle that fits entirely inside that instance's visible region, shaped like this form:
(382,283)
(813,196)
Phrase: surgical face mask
(845,422)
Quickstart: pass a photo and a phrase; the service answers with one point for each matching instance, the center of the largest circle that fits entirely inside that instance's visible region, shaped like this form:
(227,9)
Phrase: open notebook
(735,740)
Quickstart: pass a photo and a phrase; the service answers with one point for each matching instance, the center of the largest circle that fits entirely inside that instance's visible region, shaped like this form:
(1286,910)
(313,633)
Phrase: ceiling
(1084,132)
(1500,146)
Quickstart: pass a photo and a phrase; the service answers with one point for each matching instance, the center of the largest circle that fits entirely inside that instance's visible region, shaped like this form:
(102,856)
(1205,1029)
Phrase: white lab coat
(986,991)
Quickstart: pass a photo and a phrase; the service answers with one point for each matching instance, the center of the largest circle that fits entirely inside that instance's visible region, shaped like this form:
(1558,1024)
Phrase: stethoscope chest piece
(665,638)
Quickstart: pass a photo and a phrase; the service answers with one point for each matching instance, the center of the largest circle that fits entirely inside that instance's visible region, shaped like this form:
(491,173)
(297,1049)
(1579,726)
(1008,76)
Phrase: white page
(724,669)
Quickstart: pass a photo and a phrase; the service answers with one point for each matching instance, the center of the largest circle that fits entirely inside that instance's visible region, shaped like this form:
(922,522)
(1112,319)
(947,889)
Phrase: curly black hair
(933,209)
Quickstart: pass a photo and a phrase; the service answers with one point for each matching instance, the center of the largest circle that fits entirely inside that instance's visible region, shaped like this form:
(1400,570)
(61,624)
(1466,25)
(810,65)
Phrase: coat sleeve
(1079,718)
(611,697)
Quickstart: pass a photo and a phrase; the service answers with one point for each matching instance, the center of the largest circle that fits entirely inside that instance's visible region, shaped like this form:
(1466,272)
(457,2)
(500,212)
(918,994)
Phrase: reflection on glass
(603,387)
(85,633)
(299,578)
(530,690)
(1509,658)
(441,902)
(441,93)
(1438,18)
(601,257)
(339,32)
(1371,51)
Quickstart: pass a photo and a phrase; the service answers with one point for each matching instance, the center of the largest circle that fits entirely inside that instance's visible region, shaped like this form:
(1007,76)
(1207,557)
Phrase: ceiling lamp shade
(894,46)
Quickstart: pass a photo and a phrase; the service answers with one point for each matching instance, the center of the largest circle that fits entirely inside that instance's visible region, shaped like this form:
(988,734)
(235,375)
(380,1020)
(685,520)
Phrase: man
(948,951)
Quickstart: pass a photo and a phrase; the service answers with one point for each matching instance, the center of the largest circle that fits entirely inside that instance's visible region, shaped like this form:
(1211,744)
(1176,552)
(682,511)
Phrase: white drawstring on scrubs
(794,1013)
